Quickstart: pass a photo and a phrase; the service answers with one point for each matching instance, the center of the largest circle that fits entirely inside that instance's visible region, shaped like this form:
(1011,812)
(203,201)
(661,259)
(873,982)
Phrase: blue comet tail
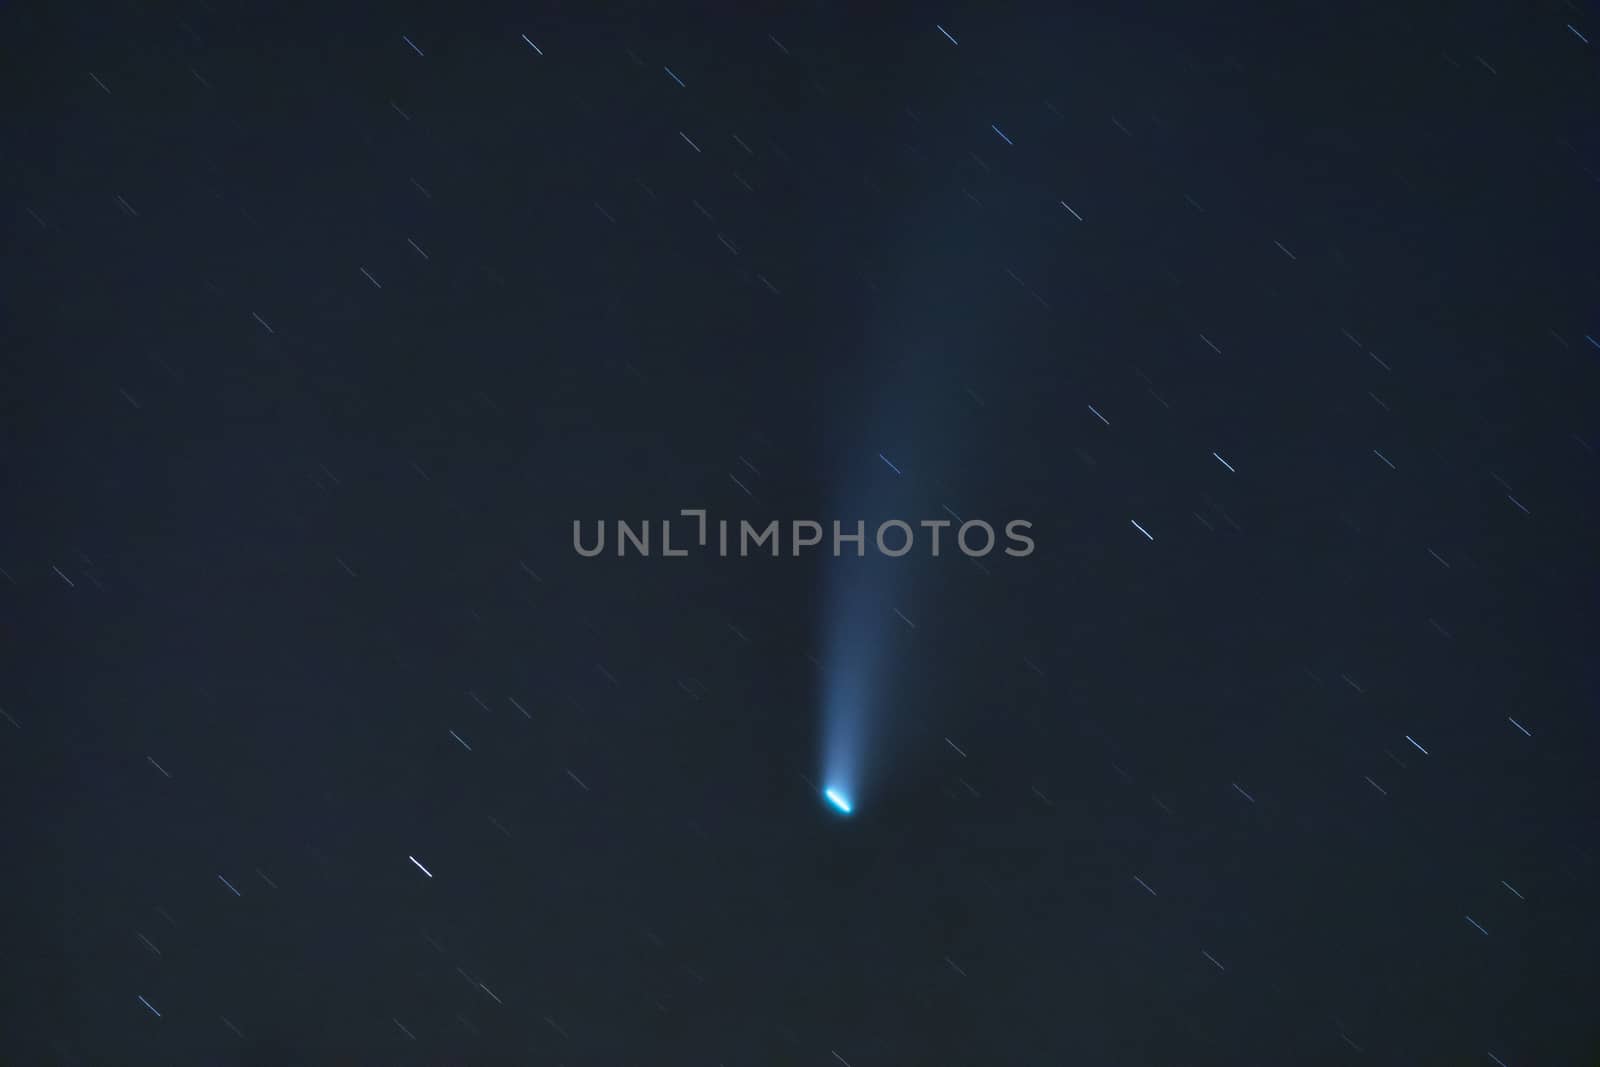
(836,800)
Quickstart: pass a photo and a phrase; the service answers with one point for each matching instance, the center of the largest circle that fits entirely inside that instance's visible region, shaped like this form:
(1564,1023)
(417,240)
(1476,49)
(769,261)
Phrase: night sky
(323,323)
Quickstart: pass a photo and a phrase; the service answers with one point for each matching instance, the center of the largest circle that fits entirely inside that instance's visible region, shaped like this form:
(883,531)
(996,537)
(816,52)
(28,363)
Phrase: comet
(838,800)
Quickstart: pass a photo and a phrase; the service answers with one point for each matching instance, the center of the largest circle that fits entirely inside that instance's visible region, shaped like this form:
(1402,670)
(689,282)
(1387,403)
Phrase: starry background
(323,324)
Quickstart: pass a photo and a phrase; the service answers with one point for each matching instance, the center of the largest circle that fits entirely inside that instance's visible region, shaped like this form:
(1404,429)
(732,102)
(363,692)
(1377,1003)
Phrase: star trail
(331,741)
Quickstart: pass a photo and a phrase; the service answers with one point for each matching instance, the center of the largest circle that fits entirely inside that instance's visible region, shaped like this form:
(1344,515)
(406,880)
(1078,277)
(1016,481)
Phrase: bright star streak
(836,800)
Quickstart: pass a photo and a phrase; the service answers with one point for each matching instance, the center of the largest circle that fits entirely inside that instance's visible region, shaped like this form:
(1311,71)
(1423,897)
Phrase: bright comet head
(837,800)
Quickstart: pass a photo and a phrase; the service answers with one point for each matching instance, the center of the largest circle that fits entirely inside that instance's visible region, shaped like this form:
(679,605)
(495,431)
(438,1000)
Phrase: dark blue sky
(322,325)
